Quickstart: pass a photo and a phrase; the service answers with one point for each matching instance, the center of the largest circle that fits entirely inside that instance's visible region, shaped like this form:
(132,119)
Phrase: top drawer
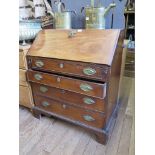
(79,69)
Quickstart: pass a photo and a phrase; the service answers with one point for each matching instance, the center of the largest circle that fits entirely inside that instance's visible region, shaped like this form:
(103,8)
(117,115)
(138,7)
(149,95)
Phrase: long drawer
(91,118)
(79,69)
(68,96)
(72,84)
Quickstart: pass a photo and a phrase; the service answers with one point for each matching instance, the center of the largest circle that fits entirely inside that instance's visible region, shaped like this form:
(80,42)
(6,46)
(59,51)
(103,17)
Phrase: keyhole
(58,79)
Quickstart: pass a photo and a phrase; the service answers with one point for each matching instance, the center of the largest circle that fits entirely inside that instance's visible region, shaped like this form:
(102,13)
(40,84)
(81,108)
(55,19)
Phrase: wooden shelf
(129,20)
(131,28)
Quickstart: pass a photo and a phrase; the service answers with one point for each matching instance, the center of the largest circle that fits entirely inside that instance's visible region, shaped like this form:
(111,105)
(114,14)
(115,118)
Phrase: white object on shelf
(23,3)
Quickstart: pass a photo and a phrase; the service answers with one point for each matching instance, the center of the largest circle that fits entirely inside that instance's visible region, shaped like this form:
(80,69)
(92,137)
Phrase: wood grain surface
(95,46)
(22,60)
(22,77)
(22,56)
(25,96)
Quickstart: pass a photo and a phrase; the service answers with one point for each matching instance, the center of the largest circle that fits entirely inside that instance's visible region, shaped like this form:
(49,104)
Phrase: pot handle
(63,7)
(82,9)
(60,5)
(74,12)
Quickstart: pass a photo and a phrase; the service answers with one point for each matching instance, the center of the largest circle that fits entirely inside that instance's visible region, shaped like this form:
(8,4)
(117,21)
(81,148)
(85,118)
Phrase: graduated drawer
(68,96)
(86,70)
(91,118)
(79,86)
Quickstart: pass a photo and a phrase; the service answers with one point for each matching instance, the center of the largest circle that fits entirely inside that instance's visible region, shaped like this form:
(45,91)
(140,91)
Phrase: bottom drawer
(91,118)
(25,97)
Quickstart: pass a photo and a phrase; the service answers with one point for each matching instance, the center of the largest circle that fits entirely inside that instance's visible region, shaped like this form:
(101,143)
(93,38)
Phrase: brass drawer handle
(88,118)
(86,87)
(38,76)
(88,101)
(43,89)
(89,71)
(45,104)
(39,63)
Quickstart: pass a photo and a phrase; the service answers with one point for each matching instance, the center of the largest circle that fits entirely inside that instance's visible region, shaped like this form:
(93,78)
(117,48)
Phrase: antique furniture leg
(36,113)
(101,137)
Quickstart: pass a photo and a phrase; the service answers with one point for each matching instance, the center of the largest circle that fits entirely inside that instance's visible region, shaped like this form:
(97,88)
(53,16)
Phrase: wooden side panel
(25,97)
(22,56)
(22,77)
(25,94)
(113,84)
(21,60)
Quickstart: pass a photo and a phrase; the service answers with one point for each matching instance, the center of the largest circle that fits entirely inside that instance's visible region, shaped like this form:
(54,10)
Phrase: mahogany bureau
(74,75)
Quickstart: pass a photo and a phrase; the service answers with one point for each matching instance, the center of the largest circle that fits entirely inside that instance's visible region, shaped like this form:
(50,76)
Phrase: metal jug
(95,16)
(62,17)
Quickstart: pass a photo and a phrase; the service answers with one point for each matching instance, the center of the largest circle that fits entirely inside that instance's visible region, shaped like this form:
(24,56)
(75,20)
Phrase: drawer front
(22,77)
(86,70)
(68,96)
(87,117)
(79,86)
(25,96)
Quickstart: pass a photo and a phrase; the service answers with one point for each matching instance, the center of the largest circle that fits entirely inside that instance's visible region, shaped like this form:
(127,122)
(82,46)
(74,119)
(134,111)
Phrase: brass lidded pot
(95,16)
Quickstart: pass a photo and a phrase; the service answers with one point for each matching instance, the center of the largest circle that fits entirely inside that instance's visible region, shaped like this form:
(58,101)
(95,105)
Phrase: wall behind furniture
(78,21)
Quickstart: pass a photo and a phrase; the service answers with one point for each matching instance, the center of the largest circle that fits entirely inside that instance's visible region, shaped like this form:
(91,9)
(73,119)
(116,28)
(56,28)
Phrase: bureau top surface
(94,46)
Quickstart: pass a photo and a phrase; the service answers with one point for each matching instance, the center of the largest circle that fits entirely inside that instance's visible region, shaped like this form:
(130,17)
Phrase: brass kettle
(95,16)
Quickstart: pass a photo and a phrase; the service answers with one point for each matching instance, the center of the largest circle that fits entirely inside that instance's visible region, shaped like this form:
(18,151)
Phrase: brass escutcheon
(61,65)
(58,79)
(64,106)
